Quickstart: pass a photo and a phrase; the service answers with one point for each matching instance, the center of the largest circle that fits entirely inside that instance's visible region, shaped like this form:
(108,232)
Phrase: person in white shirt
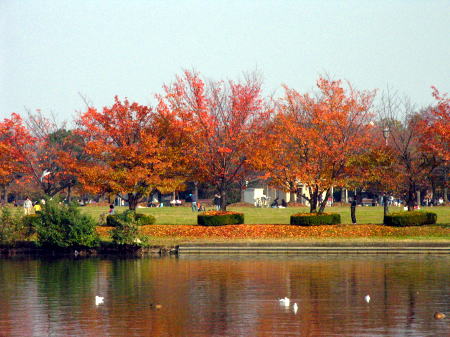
(27,206)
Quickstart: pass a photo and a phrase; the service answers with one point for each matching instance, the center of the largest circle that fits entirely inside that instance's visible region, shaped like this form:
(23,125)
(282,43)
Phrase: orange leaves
(276,231)
(219,213)
(223,122)
(434,127)
(224,150)
(313,138)
(131,149)
(15,141)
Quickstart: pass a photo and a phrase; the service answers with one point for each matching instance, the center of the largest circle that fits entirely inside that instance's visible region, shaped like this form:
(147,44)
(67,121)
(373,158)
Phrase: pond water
(226,296)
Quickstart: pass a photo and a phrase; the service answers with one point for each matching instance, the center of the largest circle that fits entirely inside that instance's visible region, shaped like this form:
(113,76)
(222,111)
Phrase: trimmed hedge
(414,218)
(315,219)
(220,218)
(129,216)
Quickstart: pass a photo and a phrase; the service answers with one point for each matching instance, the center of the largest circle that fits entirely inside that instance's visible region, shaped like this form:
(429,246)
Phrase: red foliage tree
(223,122)
(315,138)
(433,131)
(126,153)
(47,168)
(434,128)
(15,141)
(414,140)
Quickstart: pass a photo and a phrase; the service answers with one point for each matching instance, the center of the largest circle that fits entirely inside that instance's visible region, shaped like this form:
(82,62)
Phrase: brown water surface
(226,296)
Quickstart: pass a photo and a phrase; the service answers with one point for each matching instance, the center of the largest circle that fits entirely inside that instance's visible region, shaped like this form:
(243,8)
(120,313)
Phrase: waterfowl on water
(99,300)
(295,307)
(156,306)
(439,315)
(285,301)
(367,298)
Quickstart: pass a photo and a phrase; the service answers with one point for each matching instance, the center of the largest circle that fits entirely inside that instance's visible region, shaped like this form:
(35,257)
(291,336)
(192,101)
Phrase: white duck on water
(99,300)
(285,301)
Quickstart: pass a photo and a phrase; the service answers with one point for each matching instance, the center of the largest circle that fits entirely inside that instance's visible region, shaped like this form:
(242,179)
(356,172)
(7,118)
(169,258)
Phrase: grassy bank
(176,226)
(184,215)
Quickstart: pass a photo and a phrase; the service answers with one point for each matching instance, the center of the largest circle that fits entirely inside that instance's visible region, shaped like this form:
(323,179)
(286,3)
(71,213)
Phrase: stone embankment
(30,249)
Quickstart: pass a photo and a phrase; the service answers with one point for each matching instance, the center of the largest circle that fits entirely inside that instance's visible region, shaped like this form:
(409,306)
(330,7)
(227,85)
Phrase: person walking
(353,211)
(193,202)
(27,206)
(217,202)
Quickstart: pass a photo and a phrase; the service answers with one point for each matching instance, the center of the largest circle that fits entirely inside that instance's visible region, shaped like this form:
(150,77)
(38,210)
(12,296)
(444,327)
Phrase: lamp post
(385,196)
(386,135)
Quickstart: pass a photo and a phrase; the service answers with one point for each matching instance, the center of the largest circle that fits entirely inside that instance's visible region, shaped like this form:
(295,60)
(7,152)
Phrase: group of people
(198,207)
(275,204)
(31,208)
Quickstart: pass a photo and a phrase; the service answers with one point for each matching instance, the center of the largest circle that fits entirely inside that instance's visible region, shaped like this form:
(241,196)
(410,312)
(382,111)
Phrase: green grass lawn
(184,215)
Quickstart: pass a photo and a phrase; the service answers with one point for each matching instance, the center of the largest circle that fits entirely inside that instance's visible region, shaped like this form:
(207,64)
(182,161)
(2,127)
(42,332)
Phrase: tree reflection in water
(227,296)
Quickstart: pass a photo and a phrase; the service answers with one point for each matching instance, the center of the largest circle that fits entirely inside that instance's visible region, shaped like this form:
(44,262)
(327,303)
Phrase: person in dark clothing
(353,211)
(217,202)
(193,198)
(283,203)
(274,203)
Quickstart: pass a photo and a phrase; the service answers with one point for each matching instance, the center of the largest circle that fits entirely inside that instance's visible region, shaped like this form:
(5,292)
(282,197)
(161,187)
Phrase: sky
(53,53)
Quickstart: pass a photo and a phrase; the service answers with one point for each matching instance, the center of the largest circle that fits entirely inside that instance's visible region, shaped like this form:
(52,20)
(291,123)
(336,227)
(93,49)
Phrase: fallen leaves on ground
(285,231)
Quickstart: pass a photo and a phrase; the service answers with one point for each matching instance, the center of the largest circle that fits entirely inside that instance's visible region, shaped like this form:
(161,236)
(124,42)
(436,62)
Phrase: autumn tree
(314,139)
(127,156)
(223,121)
(52,142)
(15,148)
(397,162)
(433,129)
(413,164)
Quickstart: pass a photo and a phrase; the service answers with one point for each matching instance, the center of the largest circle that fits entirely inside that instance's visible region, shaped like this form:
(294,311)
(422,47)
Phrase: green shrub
(315,219)
(29,223)
(144,220)
(12,227)
(414,218)
(218,218)
(126,233)
(130,216)
(63,226)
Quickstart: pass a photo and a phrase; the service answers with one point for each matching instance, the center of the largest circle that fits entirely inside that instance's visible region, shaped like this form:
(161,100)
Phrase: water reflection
(226,296)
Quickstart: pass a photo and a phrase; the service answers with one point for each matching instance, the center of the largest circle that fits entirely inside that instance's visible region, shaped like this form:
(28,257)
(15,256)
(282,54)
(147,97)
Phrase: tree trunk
(323,204)
(314,195)
(223,200)
(132,201)
(69,193)
(196,190)
(433,191)
(353,213)
(5,195)
(411,196)
(385,205)
(418,199)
